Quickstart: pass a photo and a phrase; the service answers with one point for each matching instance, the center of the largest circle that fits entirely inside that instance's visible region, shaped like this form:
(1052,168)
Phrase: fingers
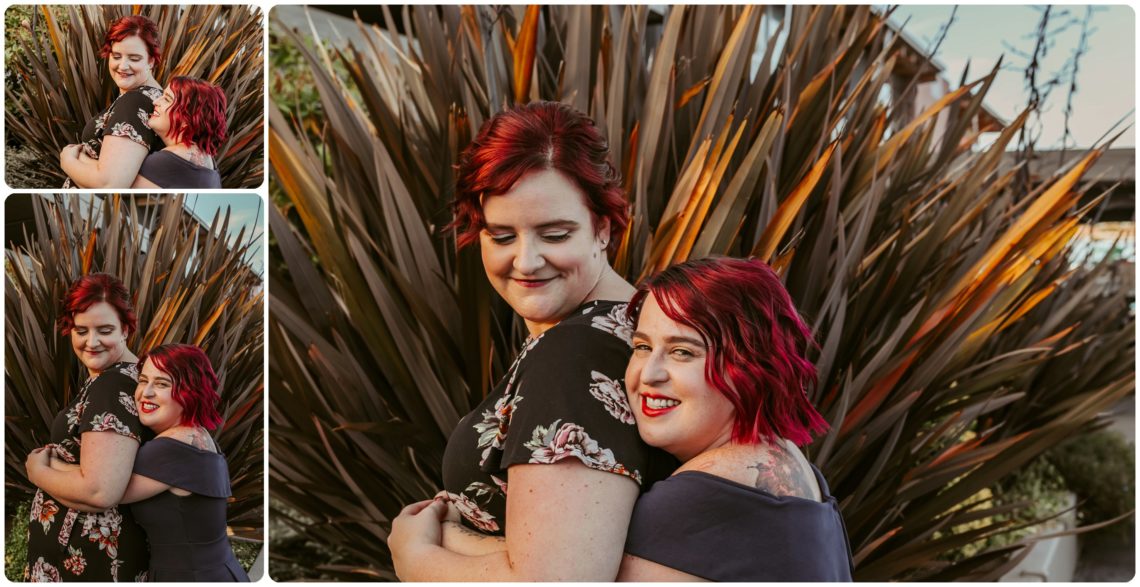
(415,508)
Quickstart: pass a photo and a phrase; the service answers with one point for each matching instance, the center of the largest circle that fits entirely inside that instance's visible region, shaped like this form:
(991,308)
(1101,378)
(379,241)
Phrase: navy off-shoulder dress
(721,530)
(187,534)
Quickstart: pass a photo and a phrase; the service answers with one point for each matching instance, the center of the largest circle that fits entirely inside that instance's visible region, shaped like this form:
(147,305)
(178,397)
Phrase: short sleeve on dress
(129,118)
(183,466)
(110,404)
(569,400)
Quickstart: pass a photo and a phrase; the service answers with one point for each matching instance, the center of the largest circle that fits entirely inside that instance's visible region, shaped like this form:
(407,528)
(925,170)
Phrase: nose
(653,371)
(92,341)
(145,390)
(528,257)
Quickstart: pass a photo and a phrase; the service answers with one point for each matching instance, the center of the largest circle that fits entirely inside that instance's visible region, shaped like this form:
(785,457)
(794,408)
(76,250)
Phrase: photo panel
(175,93)
(120,469)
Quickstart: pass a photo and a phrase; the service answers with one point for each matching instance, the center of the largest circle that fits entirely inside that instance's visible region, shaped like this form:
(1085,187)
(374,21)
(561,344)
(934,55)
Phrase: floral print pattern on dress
(43,572)
(551,444)
(103,529)
(144,117)
(493,429)
(616,323)
(75,563)
(122,129)
(129,403)
(108,421)
(76,412)
(473,513)
(43,511)
(65,528)
(610,393)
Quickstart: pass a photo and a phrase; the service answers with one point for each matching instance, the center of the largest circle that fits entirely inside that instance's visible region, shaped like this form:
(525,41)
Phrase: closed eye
(556,238)
(502,239)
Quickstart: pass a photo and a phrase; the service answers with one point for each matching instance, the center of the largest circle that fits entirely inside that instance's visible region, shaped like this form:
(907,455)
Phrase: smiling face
(540,248)
(98,338)
(129,63)
(675,407)
(154,398)
(160,118)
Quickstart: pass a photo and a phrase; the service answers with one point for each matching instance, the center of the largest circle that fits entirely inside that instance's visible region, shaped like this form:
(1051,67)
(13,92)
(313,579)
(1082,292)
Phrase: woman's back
(187,533)
(749,516)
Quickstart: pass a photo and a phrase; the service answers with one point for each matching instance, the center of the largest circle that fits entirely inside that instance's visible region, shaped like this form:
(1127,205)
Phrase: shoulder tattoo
(778,473)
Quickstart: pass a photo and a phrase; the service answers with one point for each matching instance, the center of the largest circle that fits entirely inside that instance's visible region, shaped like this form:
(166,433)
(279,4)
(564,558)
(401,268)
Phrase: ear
(603,231)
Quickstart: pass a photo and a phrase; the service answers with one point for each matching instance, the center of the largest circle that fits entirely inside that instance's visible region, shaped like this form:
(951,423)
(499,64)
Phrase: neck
(611,286)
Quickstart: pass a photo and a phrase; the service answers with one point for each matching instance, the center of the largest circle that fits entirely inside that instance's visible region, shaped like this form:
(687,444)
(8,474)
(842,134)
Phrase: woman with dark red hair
(181,482)
(541,477)
(99,433)
(190,118)
(114,144)
(719,379)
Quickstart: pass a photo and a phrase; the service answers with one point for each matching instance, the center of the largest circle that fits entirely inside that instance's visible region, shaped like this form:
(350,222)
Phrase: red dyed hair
(194,384)
(133,26)
(198,114)
(536,137)
(756,342)
(92,289)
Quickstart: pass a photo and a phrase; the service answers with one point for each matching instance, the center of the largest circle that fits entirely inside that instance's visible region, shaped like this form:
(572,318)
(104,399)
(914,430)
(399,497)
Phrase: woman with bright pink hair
(542,476)
(115,142)
(719,379)
(77,531)
(190,118)
(181,482)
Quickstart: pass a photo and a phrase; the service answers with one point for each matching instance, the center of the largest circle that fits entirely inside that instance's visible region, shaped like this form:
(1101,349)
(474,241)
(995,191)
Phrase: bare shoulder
(635,569)
(777,468)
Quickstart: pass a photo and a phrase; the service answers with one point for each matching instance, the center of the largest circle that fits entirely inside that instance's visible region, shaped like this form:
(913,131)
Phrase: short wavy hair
(131,26)
(757,342)
(194,383)
(92,289)
(536,137)
(198,114)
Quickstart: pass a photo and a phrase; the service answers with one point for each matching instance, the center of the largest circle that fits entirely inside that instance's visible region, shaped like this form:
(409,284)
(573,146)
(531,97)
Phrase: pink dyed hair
(131,26)
(756,342)
(198,114)
(92,289)
(536,137)
(195,386)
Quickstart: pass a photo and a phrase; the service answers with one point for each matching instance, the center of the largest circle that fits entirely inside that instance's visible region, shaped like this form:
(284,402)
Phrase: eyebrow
(569,224)
(674,339)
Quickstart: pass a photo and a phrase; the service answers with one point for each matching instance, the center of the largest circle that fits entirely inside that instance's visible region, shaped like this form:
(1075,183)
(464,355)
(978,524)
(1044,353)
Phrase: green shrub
(16,546)
(1100,467)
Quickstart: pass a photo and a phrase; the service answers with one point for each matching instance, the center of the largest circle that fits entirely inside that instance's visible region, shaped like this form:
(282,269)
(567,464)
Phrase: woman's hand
(38,459)
(69,153)
(419,525)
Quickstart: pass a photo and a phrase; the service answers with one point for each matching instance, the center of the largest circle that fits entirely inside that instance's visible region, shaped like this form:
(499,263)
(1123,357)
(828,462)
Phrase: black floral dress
(563,398)
(70,545)
(128,116)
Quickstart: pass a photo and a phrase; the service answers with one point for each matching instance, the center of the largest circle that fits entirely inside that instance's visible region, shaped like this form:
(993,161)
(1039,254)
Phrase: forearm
(462,540)
(76,490)
(88,173)
(437,564)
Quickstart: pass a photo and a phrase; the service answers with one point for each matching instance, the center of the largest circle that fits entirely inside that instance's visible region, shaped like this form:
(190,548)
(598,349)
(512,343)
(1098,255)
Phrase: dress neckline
(824,490)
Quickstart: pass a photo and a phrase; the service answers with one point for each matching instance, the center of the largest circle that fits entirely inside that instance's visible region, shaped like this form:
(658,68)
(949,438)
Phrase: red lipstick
(654,412)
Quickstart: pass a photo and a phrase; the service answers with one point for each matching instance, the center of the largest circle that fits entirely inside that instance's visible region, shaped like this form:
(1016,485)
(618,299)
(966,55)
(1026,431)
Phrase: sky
(979,35)
(246,211)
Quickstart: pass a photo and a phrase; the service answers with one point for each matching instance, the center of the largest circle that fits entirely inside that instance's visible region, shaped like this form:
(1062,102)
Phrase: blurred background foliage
(958,342)
(190,283)
(55,80)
